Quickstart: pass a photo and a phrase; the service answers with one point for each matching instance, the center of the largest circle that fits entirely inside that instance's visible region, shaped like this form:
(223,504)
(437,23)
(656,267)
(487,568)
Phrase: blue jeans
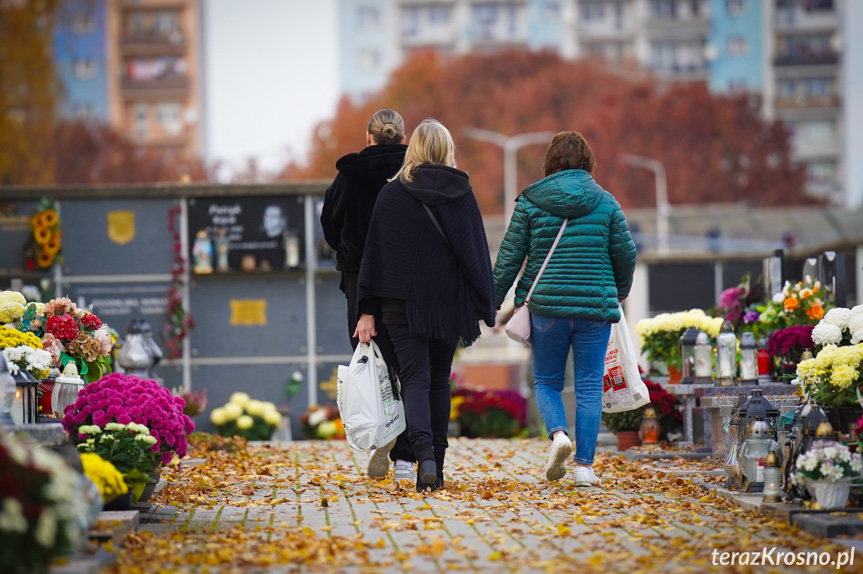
(551,338)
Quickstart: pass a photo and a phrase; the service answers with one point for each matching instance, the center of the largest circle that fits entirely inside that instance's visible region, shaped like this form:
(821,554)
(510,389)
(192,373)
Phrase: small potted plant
(625,426)
(833,378)
(827,470)
(246,417)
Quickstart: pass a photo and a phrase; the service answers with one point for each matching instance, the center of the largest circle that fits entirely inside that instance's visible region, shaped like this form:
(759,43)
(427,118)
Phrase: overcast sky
(270,75)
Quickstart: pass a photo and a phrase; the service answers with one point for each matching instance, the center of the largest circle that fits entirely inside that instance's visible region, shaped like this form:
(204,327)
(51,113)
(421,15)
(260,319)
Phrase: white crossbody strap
(544,263)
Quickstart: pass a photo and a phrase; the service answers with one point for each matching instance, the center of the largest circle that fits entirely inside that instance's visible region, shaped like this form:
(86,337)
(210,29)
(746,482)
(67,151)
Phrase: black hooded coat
(446,283)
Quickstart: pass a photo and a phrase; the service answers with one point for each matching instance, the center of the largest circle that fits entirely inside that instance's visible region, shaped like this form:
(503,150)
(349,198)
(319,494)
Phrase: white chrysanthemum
(245,422)
(778,298)
(254,407)
(232,411)
(838,316)
(856,310)
(826,334)
(857,337)
(272,417)
(317,417)
(114,427)
(12,517)
(46,528)
(855,323)
(239,399)
(217,416)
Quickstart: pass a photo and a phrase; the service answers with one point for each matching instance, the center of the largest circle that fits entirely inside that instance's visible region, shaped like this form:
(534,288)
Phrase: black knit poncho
(447,289)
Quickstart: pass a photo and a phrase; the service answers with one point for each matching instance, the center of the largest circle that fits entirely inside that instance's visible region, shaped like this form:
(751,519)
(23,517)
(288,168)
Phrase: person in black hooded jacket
(347,210)
(427,269)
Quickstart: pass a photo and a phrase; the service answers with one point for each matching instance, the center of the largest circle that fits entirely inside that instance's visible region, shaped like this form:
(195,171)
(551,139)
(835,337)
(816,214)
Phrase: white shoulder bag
(518,326)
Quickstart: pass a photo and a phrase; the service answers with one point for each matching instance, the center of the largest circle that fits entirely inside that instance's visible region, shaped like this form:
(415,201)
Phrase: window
(168,117)
(551,9)
(138,24)
(83,110)
(410,20)
(817,86)
(83,23)
(592,11)
(788,88)
(368,16)
(814,133)
(663,9)
(439,15)
(485,14)
(818,5)
(84,69)
(680,56)
(141,120)
(167,22)
(737,45)
(369,59)
(618,15)
(511,19)
(736,7)
(821,173)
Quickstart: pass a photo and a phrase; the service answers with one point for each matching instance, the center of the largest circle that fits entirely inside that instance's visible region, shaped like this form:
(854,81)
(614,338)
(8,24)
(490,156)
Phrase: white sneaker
(584,476)
(561,448)
(404,470)
(379,462)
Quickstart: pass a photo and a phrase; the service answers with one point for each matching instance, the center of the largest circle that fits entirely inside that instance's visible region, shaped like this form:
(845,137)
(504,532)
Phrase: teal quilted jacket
(592,266)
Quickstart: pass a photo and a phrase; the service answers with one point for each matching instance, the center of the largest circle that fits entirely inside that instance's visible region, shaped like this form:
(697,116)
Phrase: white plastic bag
(622,387)
(371,414)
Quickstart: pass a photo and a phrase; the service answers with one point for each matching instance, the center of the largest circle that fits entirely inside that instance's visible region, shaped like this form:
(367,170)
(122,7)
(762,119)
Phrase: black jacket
(447,287)
(351,198)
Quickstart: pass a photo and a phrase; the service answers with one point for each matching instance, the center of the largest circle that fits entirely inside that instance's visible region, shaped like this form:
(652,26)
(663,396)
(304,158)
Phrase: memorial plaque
(15,232)
(239,316)
(246,234)
(118,303)
(116,237)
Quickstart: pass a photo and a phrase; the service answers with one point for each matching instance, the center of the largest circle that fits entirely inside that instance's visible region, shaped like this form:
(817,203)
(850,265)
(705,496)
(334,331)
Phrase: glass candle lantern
(748,359)
(7,393)
(202,253)
(772,479)
(650,430)
(763,358)
(687,354)
(753,453)
(726,356)
(703,352)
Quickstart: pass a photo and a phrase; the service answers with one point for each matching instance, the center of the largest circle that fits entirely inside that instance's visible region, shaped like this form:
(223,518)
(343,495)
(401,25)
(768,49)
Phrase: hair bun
(389,129)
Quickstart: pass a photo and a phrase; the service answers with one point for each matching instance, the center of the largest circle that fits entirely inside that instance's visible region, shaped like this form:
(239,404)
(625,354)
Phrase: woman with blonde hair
(426,267)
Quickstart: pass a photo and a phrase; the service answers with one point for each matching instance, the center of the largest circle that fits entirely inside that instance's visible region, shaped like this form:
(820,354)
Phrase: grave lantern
(726,356)
(687,353)
(748,360)
(772,479)
(703,358)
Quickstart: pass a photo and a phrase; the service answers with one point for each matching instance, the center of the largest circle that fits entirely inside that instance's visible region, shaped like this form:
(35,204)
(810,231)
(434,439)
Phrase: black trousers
(424,369)
(402,449)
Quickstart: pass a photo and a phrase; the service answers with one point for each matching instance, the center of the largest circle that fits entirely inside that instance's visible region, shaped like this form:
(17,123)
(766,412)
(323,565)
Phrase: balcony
(804,59)
(802,102)
(797,19)
(152,44)
(167,87)
(694,26)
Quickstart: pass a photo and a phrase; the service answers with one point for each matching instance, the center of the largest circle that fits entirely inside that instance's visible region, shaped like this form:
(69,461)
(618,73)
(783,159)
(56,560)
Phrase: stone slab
(46,434)
(828,525)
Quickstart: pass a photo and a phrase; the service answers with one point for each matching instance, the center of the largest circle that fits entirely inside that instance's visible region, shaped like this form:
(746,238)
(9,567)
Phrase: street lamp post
(663,208)
(510,145)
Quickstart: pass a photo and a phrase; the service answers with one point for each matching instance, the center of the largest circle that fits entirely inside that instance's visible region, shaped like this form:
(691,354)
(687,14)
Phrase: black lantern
(807,418)
(687,354)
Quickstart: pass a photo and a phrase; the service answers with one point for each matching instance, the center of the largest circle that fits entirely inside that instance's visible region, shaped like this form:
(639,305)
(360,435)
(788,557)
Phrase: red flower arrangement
(125,399)
(493,414)
(91,322)
(64,327)
(789,343)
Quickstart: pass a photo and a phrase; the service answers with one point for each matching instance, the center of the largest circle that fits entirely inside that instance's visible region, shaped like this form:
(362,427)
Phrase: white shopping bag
(622,387)
(371,414)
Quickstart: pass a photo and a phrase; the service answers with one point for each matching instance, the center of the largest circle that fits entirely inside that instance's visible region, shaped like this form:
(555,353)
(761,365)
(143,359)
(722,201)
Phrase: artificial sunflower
(49,218)
(53,244)
(45,259)
(42,235)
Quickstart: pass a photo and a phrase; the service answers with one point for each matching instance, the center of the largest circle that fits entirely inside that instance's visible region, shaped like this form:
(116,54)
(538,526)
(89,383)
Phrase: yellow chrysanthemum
(843,376)
(105,475)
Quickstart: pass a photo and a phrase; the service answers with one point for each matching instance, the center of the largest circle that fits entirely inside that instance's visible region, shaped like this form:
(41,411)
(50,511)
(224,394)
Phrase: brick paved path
(497,515)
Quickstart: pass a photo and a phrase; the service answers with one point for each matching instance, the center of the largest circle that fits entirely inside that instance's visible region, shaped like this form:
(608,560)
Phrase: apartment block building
(802,56)
(135,64)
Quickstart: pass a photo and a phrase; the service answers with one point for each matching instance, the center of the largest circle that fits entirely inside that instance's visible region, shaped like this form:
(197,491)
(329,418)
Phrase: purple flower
(751,317)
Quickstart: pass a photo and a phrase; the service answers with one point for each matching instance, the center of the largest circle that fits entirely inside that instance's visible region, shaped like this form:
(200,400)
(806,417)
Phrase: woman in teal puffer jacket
(576,299)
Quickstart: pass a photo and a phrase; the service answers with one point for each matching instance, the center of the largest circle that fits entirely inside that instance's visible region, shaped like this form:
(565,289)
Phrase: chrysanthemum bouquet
(828,461)
(127,399)
(840,326)
(801,303)
(246,417)
(127,447)
(786,346)
(35,361)
(12,306)
(42,512)
(660,336)
(104,475)
(70,334)
(833,377)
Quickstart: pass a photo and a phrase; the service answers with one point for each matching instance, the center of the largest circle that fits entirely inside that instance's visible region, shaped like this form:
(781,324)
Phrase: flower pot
(830,494)
(842,418)
(122,502)
(674,375)
(627,439)
(151,486)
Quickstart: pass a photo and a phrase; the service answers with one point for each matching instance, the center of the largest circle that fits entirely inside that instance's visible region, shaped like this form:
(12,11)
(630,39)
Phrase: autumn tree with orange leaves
(715,148)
